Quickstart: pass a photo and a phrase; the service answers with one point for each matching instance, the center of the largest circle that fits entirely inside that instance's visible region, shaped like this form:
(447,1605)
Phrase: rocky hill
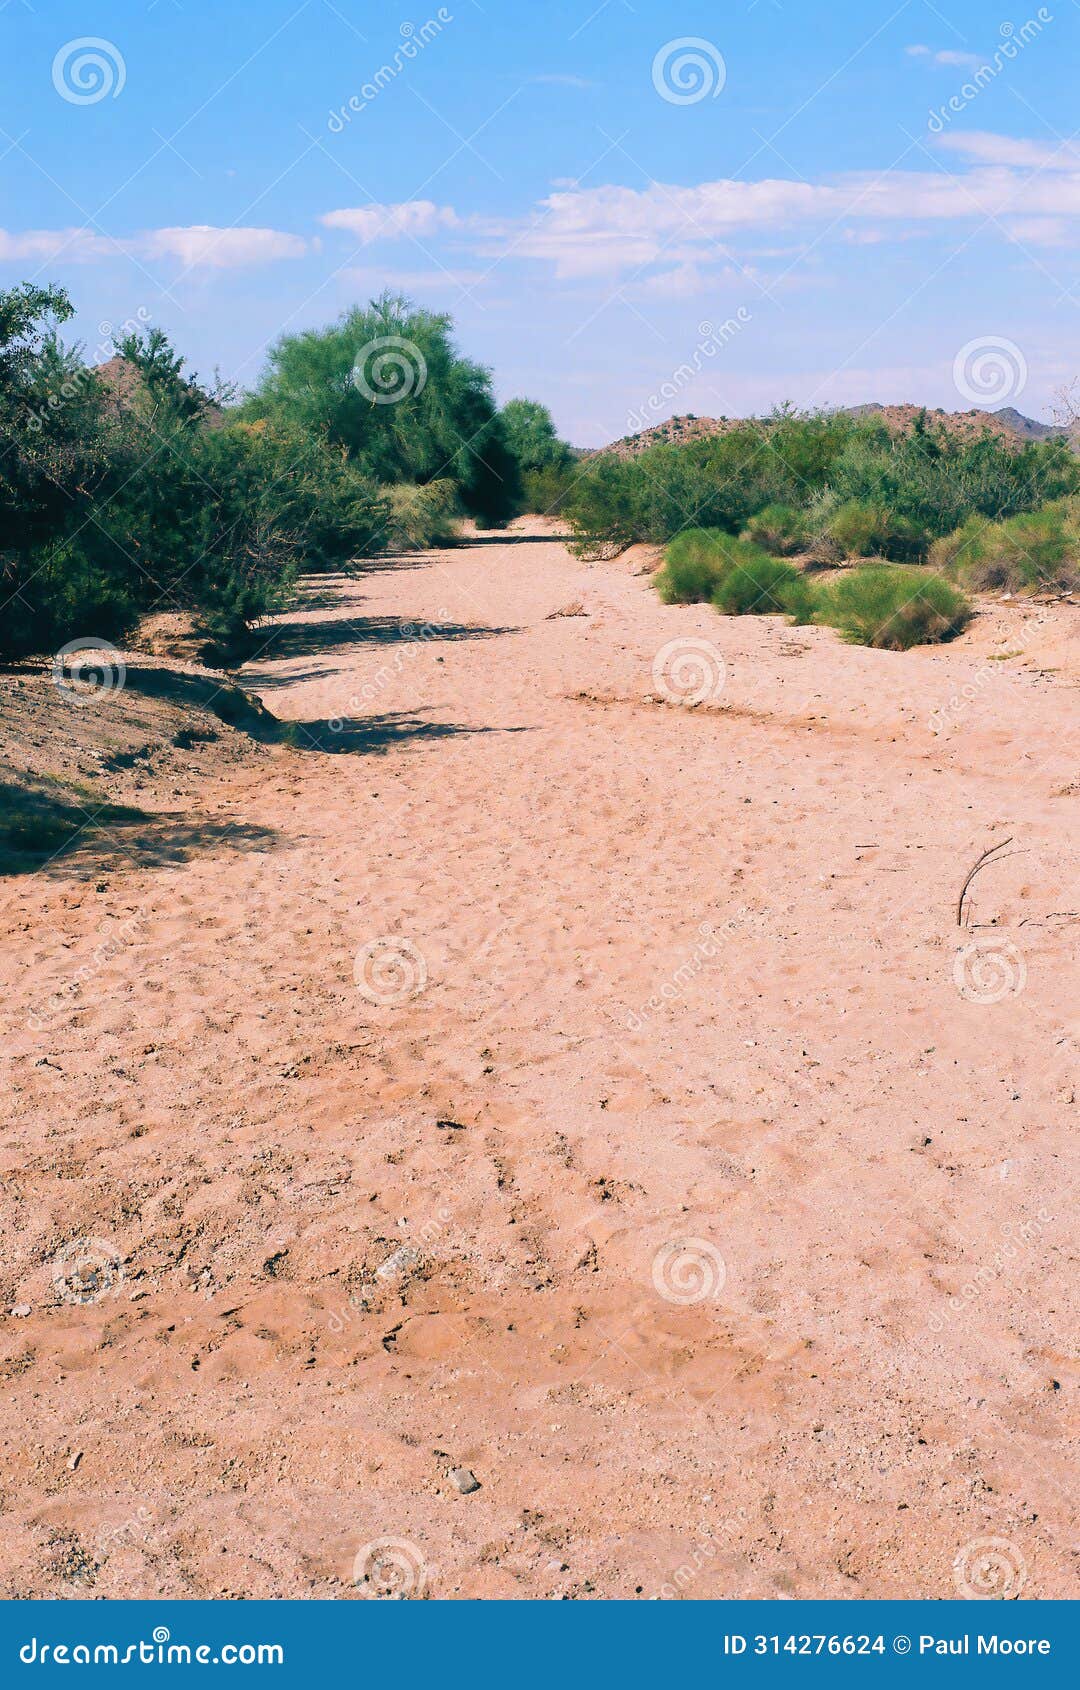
(1008,423)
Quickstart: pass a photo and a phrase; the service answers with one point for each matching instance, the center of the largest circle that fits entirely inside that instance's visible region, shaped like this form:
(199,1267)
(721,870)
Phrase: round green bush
(892,608)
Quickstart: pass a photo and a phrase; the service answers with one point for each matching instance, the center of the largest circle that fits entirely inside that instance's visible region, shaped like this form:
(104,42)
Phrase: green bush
(755,584)
(919,485)
(779,529)
(892,608)
(736,577)
(865,530)
(389,385)
(694,563)
(1037,549)
(423,516)
(545,491)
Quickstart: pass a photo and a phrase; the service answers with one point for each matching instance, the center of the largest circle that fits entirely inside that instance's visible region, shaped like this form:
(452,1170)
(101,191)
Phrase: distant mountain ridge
(1008,423)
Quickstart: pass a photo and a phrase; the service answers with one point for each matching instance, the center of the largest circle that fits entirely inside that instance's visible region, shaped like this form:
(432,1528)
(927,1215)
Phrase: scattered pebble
(21,1310)
(465,1481)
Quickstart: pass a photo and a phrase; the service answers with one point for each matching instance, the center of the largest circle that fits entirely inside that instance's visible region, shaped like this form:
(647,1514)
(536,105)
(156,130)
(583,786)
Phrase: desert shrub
(694,565)
(547,490)
(891,607)
(922,484)
(864,530)
(56,449)
(936,478)
(754,584)
(422,516)
(546,463)
(736,577)
(1036,549)
(779,529)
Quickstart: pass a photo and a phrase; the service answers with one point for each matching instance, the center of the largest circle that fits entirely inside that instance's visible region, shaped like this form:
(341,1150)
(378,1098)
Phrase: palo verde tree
(389,385)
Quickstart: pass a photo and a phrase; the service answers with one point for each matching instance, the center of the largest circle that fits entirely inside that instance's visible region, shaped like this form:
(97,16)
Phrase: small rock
(74,1459)
(21,1310)
(463,1480)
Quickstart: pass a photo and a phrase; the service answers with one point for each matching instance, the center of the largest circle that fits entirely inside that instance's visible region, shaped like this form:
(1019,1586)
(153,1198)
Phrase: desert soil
(525,1075)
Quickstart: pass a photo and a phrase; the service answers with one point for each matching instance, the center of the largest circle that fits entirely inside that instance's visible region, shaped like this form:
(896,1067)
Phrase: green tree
(389,385)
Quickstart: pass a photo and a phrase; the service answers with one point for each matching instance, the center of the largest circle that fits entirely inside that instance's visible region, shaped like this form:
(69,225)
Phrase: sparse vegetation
(881,605)
(892,608)
(161,494)
(830,485)
(1038,550)
(781,530)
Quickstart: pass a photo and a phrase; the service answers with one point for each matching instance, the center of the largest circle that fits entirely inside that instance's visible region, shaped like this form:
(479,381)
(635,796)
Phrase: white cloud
(945,56)
(201,246)
(986,148)
(1041,231)
(77,246)
(387,222)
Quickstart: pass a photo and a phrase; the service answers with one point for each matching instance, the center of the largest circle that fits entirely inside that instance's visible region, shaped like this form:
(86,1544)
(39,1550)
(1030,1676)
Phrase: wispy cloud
(374,222)
(945,56)
(199,246)
(986,148)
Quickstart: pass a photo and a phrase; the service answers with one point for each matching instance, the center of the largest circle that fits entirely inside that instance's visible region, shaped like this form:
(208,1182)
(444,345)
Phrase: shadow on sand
(304,639)
(50,829)
(334,735)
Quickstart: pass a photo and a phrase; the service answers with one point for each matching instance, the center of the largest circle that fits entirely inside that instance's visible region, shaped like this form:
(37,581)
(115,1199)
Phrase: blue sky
(824,204)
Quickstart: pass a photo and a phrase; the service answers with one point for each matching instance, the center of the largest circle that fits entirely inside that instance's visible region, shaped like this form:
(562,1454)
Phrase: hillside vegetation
(134,488)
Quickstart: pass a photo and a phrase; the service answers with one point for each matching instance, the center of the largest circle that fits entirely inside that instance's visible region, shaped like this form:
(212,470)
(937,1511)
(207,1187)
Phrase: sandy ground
(533,1077)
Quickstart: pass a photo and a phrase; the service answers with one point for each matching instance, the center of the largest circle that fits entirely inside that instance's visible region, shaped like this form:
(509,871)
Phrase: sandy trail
(705,1194)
